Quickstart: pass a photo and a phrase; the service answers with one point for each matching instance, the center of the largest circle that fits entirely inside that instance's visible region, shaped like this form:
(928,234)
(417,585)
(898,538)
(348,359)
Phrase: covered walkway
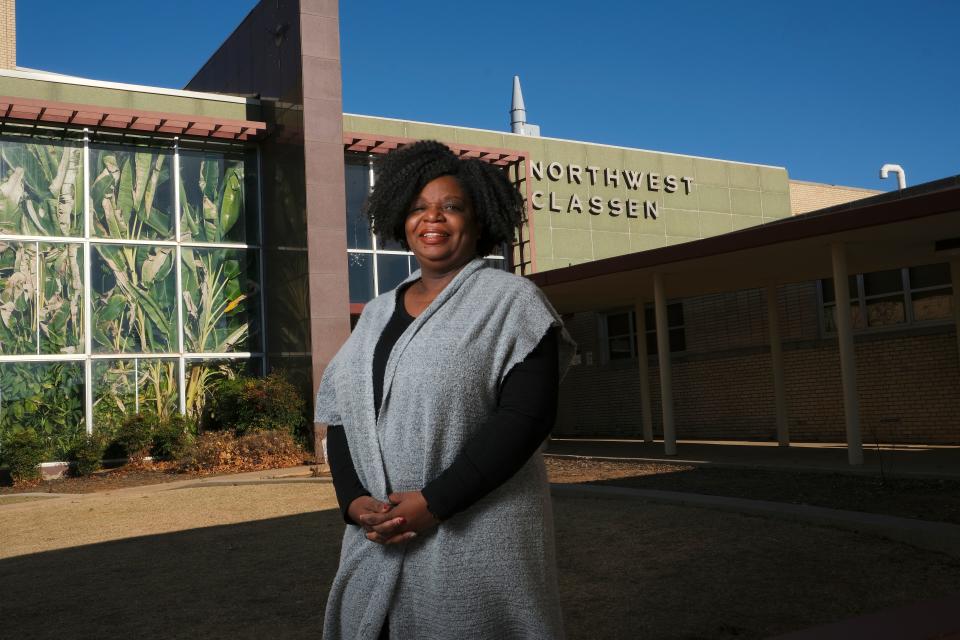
(916,226)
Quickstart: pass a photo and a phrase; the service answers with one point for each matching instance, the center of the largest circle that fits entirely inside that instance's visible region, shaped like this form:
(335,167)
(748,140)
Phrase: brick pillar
(8,34)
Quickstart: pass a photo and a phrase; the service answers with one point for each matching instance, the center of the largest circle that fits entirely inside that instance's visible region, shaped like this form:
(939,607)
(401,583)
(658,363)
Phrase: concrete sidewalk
(892,460)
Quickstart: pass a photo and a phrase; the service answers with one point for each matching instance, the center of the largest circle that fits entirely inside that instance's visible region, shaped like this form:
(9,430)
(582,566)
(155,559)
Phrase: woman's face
(441,229)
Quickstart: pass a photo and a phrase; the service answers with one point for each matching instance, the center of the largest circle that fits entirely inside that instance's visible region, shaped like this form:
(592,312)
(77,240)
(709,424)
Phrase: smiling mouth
(434,236)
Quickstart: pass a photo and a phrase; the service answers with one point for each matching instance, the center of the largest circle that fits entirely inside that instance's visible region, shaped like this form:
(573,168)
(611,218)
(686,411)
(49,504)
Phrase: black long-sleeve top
(526,411)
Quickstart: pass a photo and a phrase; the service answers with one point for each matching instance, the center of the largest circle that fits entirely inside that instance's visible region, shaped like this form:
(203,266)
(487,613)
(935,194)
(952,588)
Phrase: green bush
(107,419)
(135,435)
(87,453)
(23,451)
(226,407)
(244,405)
(173,438)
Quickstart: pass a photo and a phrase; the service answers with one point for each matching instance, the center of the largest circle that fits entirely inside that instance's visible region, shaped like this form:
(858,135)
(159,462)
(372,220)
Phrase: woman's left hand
(412,507)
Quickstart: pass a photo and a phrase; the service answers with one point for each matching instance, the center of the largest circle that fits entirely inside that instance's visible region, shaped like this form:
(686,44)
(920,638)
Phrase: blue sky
(830,90)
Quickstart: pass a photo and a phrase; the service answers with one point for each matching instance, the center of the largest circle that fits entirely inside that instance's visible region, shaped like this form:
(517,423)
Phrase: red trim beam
(383,144)
(128,119)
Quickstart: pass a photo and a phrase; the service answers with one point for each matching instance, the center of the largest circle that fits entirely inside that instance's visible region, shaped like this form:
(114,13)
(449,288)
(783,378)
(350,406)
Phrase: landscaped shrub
(135,435)
(226,407)
(173,438)
(107,420)
(223,451)
(87,453)
(23,451)
(268,449)
(211,451)
(247,404)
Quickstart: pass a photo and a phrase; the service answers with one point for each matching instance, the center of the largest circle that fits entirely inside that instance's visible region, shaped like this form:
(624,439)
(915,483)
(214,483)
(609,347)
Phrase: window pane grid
(113,244)
(886,299)
(620,332)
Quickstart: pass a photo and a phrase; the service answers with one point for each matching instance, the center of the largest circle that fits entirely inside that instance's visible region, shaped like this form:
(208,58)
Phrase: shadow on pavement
(258,579)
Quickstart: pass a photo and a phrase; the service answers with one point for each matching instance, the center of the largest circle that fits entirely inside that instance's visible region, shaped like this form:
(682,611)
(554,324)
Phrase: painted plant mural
(133,278)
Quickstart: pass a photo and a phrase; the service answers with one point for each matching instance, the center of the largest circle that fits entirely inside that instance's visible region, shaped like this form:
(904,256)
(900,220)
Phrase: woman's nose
(434,212)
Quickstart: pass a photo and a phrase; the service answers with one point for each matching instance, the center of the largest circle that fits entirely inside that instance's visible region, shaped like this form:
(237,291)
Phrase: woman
(437,404)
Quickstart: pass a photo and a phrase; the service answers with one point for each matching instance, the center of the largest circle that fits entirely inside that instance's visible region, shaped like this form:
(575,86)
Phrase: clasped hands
(394,522)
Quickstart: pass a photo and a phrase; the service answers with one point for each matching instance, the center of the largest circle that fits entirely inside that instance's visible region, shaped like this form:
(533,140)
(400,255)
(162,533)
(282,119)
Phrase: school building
(153,239)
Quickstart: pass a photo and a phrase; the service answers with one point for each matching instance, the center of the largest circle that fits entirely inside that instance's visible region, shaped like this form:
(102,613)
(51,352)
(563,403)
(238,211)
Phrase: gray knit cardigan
(488,572)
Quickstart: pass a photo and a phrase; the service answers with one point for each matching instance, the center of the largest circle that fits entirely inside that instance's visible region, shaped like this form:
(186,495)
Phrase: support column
(642,357)
(663,356)
(848,363)
(955,283)
(776,356)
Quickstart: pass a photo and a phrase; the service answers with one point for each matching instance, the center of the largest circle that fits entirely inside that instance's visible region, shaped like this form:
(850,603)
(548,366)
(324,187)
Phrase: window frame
(605,337)
(860,299)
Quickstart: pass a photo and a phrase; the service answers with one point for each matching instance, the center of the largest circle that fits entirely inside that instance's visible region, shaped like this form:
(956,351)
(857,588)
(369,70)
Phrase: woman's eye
(451,206)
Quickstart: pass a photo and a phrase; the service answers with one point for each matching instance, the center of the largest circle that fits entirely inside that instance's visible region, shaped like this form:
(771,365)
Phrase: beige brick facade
(8,34)
(908,379)
(810,196)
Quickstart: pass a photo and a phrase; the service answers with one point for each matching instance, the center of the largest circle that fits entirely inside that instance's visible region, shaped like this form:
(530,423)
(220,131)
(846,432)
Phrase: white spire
(518,113)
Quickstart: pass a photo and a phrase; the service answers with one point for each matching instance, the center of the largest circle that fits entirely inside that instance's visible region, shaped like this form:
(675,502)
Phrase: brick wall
(810,196)
(908,381)
(8,34)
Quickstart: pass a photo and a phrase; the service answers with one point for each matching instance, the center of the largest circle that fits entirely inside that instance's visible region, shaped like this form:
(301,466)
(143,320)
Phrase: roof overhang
(377,144)
(885,232)
(96,117)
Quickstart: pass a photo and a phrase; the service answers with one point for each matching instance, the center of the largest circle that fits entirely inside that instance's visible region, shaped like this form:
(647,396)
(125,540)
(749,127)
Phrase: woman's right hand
(375,518)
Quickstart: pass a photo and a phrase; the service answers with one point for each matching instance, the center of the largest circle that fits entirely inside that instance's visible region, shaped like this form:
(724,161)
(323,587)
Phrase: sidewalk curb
(780,468)
(933,536)
(254,481)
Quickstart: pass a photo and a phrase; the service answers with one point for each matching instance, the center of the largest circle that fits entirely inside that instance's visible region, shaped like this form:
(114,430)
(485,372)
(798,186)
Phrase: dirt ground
(253,561)
(146,473)
(925,499)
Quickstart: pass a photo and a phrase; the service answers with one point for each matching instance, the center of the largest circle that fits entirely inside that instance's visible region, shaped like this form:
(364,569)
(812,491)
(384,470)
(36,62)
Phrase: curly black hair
(403,173)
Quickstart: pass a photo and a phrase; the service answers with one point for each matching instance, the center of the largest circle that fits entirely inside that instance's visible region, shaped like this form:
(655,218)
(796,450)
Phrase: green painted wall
(124,99)
(722,196)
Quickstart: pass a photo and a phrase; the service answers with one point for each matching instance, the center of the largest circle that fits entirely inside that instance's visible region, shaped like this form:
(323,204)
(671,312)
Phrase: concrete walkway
(893,460)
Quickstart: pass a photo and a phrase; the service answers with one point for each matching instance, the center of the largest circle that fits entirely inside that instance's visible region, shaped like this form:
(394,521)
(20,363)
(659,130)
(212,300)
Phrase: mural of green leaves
(213,198)
(134,299)
(41,188)
(131,194)
(44,396)
(125,386)
(220,295)
(54,309)
(133,287)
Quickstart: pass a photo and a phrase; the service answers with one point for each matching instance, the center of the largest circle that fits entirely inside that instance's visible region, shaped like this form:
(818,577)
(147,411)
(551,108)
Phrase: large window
(619,329)
(893,298)
(133,299)
(376,264)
